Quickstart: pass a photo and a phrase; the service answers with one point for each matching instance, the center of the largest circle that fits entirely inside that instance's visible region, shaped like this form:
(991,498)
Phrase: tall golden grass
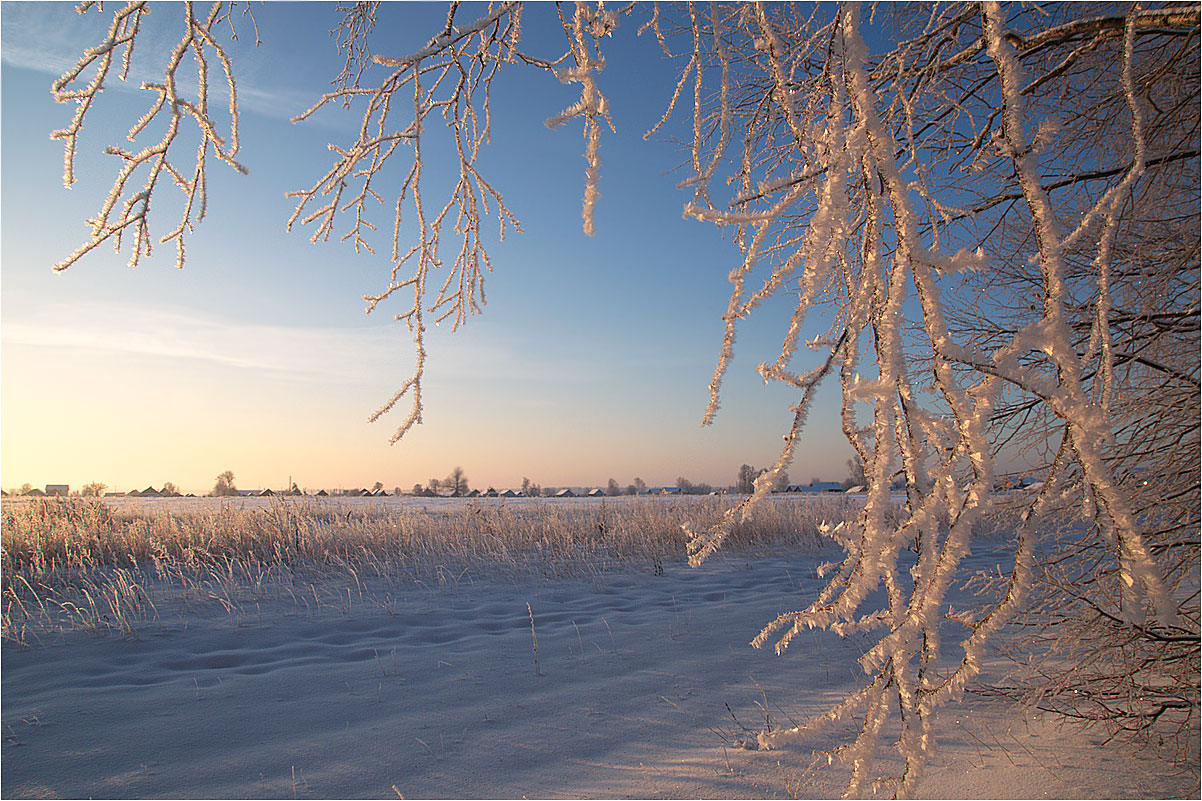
(73,562)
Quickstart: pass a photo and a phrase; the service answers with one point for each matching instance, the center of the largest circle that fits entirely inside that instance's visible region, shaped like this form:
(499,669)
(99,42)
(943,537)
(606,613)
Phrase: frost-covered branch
(127,208)
(448,81)
(584,34)
(875,185)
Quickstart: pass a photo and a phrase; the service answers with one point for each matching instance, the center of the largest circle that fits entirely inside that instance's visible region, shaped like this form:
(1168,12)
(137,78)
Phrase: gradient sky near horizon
(592,359)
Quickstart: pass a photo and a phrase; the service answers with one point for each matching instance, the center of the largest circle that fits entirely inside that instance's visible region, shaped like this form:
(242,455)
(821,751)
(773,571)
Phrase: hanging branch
(451,79)
(127,208)
(841,194)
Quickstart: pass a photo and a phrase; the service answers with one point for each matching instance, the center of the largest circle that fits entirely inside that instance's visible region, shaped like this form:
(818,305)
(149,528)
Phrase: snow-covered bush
(990,214)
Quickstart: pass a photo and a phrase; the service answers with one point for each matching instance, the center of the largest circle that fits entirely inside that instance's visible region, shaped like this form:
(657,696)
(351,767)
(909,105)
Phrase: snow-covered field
(624,684)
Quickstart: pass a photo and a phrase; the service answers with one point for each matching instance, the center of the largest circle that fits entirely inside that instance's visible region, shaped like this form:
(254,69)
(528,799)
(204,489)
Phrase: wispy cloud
(375,354)
(50,38)
(347,353)
(35,58)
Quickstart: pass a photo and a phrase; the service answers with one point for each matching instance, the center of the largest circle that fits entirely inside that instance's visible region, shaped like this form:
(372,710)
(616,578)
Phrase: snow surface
(435,692)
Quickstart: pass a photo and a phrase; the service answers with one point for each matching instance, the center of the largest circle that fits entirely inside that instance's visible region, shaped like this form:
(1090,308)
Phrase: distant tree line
(456,485)
(93,489)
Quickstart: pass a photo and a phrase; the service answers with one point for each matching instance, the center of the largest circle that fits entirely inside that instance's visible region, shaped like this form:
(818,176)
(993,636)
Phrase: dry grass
(81,563)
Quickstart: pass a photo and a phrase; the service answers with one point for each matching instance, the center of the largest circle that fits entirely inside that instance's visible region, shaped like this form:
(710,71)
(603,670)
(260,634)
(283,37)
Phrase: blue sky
(592,359)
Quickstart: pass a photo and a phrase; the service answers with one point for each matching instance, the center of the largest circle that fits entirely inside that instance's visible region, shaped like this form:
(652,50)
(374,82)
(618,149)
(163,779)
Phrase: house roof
(816,486)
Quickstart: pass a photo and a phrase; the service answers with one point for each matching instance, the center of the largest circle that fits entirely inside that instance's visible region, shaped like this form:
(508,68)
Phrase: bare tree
(456,482)
(745,482)
(855,473)
(225,485)
(612,488)
(93,489)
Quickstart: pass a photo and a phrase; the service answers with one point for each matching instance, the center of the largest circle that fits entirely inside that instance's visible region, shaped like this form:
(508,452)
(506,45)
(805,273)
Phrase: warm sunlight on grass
(78,563)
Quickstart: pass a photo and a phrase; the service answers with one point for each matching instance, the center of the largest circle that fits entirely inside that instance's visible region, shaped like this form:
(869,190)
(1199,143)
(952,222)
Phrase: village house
(816,486)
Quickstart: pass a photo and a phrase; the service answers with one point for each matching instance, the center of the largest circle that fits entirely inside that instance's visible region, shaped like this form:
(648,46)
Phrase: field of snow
(622,684)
